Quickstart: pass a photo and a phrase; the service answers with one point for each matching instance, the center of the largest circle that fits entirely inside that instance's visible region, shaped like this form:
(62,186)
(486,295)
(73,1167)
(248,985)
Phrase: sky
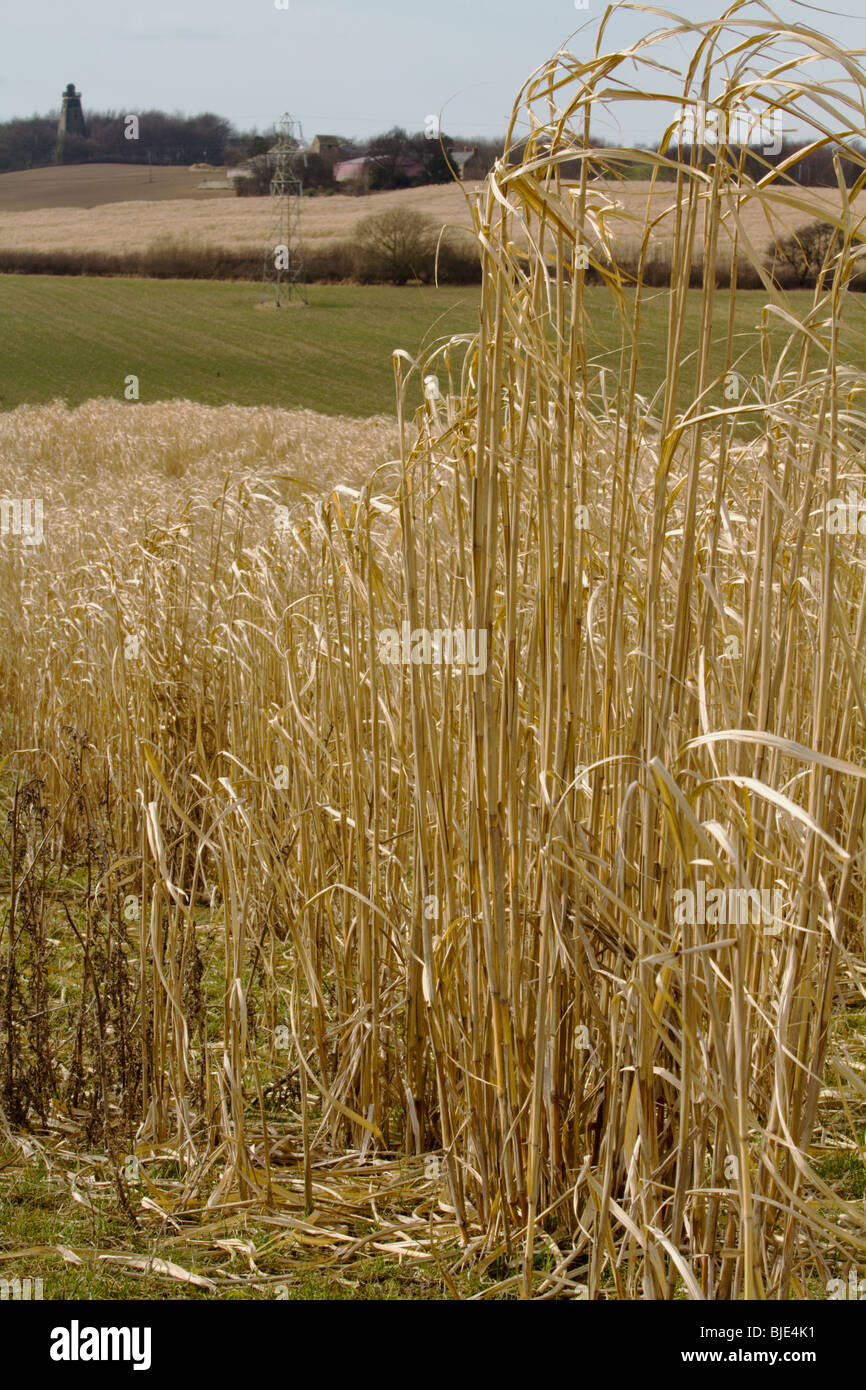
(345,67)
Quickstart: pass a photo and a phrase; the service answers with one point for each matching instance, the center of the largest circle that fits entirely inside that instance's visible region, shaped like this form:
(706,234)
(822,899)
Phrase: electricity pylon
(282,273)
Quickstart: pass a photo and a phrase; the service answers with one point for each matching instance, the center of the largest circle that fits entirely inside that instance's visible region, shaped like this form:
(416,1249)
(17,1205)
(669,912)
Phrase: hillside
(136,216)
(93,185)
(203,218)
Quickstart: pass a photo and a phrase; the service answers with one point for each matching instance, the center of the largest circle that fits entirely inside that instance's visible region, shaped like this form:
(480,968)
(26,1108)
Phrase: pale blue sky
(346,68)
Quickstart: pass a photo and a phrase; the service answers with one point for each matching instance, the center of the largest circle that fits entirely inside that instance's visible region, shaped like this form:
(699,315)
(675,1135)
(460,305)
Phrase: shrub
(803,255)
(393,247)
(457,260)
(335,261)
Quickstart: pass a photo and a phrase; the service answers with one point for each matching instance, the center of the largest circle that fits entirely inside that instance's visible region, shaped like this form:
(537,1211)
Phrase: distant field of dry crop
(236,223)
(244,224)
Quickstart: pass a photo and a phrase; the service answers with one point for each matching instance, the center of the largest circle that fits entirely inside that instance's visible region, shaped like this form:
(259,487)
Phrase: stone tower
(71,118)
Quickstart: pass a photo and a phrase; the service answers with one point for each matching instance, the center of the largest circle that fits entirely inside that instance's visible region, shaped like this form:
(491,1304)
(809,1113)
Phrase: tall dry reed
(445,904)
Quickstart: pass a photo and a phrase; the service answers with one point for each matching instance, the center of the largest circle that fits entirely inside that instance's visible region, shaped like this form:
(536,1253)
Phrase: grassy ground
(60,1221)
(78,338)
(79,1254)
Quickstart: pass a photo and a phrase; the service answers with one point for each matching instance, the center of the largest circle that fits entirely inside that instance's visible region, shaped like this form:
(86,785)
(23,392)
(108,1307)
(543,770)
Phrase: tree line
(398,158)
(159,139)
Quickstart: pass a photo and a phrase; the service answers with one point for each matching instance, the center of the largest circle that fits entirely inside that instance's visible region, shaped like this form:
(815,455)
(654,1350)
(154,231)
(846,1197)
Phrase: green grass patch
(845,1173)
(75,338)
(37,1210)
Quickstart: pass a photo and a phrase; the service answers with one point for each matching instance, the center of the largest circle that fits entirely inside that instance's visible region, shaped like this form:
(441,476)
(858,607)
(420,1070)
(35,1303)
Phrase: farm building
(327,147)
(356,170)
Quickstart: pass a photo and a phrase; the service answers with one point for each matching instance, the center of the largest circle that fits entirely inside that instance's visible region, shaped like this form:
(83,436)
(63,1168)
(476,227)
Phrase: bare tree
(806,251)
(395,246)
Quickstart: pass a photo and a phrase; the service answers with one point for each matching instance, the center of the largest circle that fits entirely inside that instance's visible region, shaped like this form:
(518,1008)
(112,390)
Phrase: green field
(75,338)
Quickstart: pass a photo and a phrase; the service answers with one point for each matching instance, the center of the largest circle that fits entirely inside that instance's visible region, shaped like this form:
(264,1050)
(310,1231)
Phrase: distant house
(327,147)
(351,170)
(357,170)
